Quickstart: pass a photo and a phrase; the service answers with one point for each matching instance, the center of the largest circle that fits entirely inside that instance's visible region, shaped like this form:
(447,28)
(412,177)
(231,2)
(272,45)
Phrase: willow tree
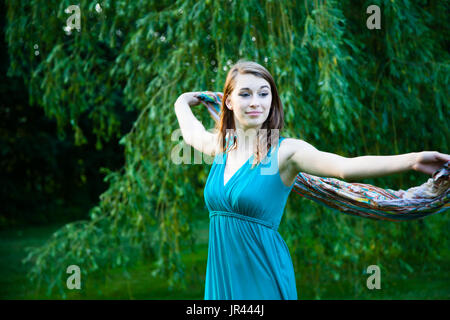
(346,89)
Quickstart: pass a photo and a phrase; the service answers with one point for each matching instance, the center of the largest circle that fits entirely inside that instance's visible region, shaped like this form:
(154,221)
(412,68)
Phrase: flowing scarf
(364,200)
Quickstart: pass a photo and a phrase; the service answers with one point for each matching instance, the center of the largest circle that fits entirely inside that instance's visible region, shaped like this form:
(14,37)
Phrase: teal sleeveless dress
(247,257)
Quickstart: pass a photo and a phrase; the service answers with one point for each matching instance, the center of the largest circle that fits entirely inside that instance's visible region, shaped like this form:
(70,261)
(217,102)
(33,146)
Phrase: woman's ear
(227,103)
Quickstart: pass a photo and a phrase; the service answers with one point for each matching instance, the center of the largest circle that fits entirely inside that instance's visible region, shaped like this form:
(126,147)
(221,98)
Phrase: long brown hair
(275,119)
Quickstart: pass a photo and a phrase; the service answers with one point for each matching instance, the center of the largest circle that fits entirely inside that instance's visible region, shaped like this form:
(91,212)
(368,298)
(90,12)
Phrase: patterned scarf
(364,200)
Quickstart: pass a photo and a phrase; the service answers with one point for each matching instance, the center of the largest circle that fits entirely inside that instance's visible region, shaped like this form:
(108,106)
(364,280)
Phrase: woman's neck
(246,140)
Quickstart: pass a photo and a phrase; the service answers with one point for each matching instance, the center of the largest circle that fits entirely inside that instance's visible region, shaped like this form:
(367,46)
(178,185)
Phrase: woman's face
(250,101)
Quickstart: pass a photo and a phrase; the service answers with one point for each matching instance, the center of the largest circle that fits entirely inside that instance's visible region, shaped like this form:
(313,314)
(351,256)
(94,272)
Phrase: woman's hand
(429,161)
(190,98)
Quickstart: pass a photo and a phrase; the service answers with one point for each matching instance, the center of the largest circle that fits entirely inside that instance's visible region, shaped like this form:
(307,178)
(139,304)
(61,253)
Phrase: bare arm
(306,158)
(377,166)
(303,157)
(193,131)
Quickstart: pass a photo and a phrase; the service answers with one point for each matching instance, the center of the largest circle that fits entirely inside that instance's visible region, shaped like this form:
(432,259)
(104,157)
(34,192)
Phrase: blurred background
(87,127)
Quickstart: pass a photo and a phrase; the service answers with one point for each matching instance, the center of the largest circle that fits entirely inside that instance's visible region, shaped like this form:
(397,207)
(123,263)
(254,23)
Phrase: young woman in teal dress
(253,172)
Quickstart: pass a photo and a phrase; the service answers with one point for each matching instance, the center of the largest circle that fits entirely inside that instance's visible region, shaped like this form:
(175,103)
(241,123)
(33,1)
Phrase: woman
(247,257)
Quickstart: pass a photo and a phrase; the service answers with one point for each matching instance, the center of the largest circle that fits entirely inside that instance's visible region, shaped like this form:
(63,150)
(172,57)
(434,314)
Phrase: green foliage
(346,89)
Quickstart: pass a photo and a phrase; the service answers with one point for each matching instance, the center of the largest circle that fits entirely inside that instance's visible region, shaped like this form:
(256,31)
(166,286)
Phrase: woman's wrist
(412,163)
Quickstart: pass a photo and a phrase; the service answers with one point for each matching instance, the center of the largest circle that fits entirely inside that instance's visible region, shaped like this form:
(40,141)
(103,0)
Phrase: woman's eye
(245,94)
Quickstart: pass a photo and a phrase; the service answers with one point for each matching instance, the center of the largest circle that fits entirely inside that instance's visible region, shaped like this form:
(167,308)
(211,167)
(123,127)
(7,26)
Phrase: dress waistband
(243,217)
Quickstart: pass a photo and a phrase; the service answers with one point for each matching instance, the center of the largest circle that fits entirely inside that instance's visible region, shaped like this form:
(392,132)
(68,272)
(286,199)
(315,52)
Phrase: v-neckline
(242,166)
(235,173)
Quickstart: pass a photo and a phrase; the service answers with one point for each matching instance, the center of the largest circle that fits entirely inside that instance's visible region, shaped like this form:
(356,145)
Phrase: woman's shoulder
(291,141)
(288,146)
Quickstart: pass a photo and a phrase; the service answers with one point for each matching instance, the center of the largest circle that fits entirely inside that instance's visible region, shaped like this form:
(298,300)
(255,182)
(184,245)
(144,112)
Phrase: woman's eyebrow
(260,88)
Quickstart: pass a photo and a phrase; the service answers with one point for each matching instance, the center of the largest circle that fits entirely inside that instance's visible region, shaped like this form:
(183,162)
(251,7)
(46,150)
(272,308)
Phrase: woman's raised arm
(193,131)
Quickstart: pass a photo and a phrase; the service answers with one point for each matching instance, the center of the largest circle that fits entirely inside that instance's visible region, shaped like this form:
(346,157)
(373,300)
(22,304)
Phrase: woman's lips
(254,113)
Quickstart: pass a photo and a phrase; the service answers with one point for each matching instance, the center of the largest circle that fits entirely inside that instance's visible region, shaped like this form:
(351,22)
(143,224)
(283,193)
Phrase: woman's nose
(255,102)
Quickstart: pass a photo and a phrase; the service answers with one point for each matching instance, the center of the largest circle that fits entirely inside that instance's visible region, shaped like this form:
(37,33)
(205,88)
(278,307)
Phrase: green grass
(141,285)
(13,283)
(419,286)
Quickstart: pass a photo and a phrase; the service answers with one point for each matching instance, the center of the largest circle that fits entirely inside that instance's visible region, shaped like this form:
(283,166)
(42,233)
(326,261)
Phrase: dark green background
(86,131)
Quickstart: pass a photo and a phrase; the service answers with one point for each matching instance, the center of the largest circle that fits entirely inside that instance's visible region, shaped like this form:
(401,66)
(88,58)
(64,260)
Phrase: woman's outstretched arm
(375,166)
(306,158)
